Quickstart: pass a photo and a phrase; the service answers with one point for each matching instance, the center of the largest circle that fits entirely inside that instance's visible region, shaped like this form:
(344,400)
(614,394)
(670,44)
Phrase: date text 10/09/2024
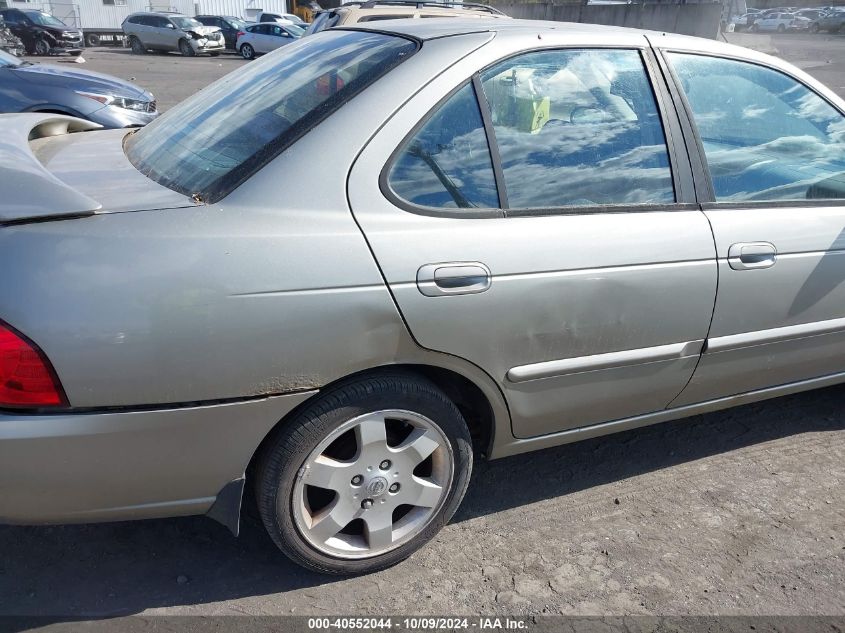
(417,623)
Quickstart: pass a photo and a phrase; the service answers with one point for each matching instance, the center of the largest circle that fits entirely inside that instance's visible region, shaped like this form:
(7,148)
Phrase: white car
(258,39)
(282,18)
(781,22)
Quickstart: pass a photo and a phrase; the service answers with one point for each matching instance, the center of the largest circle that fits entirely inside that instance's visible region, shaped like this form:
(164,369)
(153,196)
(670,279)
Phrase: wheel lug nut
(394,488)
(367,503)
(385,464)
(356,480)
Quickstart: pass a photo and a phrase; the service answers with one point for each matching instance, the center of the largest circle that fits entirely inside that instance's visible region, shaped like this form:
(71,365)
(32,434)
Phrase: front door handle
(752,255)
(453,278)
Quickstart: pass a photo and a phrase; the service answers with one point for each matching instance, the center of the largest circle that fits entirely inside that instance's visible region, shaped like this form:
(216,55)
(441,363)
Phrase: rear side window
(447,163)
(766,136)
(578,128)
(213,141)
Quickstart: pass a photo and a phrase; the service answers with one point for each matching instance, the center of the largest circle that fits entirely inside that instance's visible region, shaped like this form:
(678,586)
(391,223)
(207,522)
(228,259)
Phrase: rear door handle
(453,278)
(752,255)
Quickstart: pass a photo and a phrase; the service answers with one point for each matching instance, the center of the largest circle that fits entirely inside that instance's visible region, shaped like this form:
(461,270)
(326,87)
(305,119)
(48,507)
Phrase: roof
(433,29)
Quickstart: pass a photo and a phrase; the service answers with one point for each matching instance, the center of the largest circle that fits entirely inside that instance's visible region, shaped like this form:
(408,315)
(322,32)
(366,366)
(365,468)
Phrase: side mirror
(170,25)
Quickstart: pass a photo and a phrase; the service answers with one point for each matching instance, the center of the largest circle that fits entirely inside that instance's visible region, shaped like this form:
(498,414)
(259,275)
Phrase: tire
(754,28)
(186,49)
(92,39)
(137,46)
(214,54)
(381,408)
(42,47)
(814,28)
(247,52)
(781,28)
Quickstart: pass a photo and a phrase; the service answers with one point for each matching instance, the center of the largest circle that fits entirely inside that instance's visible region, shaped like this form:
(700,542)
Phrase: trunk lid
(55,166)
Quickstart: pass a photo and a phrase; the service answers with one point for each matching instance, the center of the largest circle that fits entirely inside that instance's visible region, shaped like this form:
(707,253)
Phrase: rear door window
(578,128)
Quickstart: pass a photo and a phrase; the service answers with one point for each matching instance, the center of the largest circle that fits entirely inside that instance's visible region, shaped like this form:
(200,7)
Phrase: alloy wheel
(372,484)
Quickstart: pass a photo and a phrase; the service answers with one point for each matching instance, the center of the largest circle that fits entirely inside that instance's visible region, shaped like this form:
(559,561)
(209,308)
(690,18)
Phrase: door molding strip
(611,360)
(774,335)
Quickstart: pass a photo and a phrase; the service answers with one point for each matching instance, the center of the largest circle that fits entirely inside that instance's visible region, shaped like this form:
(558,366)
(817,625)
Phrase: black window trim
(679,163)
(709,201)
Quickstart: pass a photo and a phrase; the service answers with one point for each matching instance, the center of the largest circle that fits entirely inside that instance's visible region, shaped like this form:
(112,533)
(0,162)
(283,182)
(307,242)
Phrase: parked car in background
(41,33)
(9,42)
(109,101)
(810,14)
(743,22)
(375,10)
(532,235)
(282,18)
(831,22)
(780,22)
(258,39)
(171,32)
(229,25)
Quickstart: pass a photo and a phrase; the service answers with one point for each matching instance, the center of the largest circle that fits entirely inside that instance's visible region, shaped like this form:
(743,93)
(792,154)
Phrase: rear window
(213,141)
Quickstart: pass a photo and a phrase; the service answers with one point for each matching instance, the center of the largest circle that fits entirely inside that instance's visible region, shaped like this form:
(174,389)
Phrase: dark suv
(228,24)
(41,33)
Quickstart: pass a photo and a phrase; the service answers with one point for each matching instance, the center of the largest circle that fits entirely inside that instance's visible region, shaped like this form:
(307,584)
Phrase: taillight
(239,33)
(26,377)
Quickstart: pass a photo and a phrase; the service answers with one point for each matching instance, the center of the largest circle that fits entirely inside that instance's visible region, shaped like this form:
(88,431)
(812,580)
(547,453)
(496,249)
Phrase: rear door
(261,38)
(774,147)
(538,220)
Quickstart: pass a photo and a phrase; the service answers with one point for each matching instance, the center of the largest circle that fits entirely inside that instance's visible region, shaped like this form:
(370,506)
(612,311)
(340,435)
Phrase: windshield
(43,19)
(211,142)
(186,23)
(9,61)
(293,29)
(236,23)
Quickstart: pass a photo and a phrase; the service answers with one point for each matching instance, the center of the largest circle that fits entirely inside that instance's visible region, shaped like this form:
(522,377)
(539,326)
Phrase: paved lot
(739,512)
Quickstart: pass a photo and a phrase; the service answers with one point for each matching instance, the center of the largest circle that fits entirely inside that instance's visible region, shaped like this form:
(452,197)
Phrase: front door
(776,155)
(535,224)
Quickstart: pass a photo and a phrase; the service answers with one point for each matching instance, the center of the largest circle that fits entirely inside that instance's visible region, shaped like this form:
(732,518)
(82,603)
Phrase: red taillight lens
(239,33)
(26,377)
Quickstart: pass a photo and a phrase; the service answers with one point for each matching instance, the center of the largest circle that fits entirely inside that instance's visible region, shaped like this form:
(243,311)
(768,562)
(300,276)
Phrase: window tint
(578,128)
(447,163)
(765,135)
(213,141)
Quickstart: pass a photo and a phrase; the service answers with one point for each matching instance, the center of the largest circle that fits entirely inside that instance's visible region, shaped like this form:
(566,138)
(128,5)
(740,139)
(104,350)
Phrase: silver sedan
(342,273)
(258,39)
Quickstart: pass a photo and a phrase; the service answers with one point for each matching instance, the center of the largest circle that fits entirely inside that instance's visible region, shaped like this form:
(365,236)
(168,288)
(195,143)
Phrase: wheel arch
(473,392)
(480,411)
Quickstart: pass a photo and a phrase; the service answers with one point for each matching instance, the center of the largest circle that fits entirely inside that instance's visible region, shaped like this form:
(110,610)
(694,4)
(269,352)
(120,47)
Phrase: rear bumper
(79,468)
